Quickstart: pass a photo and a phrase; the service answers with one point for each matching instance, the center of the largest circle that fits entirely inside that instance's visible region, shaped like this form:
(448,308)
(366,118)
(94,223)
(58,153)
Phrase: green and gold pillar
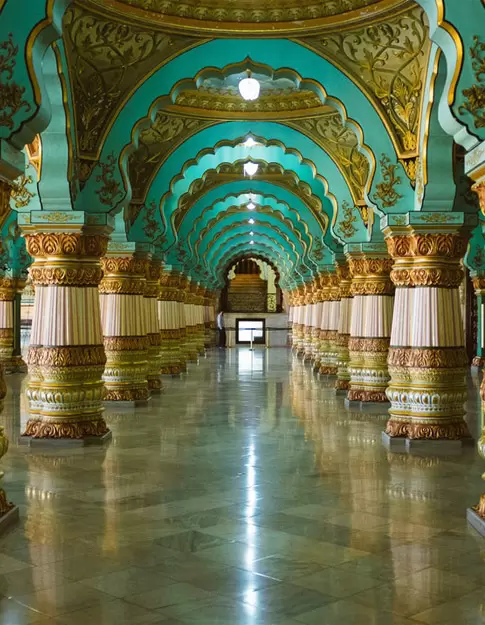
(427,358)
(152,291)
(343,334)
(66,357)
(172,359)
(9,288)
(191,343)
(122,292)
(371,320)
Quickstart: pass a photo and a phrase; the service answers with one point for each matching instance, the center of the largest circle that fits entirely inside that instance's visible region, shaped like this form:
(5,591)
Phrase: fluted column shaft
(122,291)
(152,290)
(427,359)
(370,327)
(199,318)
(192,342)
(343,333)
(329,323)
(299,319)
(306,351)
(183,294)
(66,356)
(172,362)
(9,287)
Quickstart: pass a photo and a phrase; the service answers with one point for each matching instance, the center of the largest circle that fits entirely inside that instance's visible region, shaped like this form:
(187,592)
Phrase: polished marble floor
(246,494)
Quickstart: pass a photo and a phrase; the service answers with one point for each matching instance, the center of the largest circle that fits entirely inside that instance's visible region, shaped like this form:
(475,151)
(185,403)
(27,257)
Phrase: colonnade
(389,326)
(109,320)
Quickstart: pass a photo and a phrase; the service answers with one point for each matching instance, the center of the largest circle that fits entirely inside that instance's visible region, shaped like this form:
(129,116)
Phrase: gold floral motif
(346,226)
(82,275)
(389,62)
(20,194)
(454,430)
(245,10)
(425,245)
(128,394)
(76,430)
(106,60)
(69,356)
(369,344)
(475,95)
(342,144)
(125,343)
(428,357)
(68,244)
(124,265)
(11,94)
(155,144)
(386,194)
(122,286)
(110,189)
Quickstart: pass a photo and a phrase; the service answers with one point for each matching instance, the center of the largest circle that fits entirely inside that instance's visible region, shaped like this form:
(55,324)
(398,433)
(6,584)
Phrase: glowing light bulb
(251,221)
(250,168)
(251,242)
(250,143)
(251,206)
(249,88)
(251,233)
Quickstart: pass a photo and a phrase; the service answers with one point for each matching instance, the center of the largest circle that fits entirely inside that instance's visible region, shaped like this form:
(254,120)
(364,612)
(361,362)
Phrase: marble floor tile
(241,495)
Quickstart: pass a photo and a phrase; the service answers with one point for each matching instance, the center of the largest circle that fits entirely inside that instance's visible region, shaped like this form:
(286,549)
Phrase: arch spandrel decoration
(189,64)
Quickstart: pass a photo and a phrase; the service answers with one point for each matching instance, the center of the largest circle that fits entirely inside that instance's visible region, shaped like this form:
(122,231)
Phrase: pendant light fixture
(249,88)
(250,168)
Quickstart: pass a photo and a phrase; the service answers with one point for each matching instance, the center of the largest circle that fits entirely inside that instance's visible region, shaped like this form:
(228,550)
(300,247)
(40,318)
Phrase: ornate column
(123,317)
(182,295)
(192,351)
(427,359)
(152,290)
(169,319)
(370,327)
(329,322)
(66,357)
(9,287)
(199,318)
(479,286)
(343,333)
(316,323)
(306,351)
(311,340)
(209,319)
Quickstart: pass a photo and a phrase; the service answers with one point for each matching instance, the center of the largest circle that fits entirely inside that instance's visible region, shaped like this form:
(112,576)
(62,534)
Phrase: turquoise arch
(239,234)
(219,53)
(279,211)
(283,263)
(34,26)
(265,223)
(465,21)
(336,192)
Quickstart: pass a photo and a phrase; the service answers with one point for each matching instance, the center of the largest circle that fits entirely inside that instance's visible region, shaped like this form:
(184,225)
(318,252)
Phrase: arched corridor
(224,220)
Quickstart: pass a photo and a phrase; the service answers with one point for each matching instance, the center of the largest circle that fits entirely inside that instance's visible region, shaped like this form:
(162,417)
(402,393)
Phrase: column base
(424,446)
(476,521)
(9,518)
(44,429)
(342,386)
(428,430)
(31,441)
(478,362)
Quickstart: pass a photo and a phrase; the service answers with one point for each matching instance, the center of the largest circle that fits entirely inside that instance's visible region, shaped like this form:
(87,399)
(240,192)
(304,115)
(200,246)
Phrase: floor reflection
(246,493)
